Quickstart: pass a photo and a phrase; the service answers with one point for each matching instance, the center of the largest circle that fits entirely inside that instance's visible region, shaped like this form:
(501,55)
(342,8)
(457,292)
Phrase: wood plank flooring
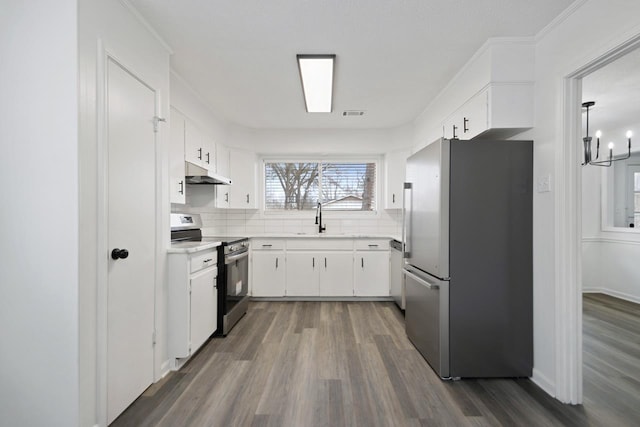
(350,364)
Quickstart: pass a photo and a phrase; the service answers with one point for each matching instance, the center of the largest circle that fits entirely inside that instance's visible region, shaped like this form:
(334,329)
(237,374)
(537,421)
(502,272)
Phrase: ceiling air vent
(349,113)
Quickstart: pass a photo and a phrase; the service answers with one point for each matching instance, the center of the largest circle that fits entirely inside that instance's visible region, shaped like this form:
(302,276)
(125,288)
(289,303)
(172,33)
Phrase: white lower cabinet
(371,277)
(268,274)
(336,274)
(303,274)
(320,267)
(192,302)
(204,306)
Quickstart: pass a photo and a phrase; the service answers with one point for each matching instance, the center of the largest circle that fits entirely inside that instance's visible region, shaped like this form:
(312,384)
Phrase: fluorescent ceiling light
(316,74)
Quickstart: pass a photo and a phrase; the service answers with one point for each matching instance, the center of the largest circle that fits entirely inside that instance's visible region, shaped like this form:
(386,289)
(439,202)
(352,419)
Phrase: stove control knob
(119,253)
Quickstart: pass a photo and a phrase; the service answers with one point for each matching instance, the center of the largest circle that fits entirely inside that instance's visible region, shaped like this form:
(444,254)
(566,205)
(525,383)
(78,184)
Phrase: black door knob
(119,253)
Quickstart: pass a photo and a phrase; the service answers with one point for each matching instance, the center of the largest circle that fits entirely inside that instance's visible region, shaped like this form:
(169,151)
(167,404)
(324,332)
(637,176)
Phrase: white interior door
(131,106)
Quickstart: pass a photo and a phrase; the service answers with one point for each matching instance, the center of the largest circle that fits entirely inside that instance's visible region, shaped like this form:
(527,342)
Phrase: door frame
(568,237)
(104,55)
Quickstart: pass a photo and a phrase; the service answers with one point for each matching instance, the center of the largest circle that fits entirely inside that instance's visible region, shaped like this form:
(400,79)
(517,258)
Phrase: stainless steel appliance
(468,247)
(233,281)
(397,278)
(233,268)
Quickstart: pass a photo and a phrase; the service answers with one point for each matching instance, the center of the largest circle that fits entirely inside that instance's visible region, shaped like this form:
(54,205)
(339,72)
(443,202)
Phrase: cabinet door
(474,116)
(193,144)
(222,160)
(242,170)
(268,274)
(223,195)
(451,127)
(204,306)
(208,153)
(303,274)
(371,273)
(336,274)
(395,165)
(176,158)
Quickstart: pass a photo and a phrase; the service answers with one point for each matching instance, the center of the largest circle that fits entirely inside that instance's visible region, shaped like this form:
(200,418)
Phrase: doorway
(569,326)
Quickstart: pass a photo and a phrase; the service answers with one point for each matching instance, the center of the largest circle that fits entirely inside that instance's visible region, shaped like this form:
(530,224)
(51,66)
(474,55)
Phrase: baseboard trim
(612,293)
(346,299)
(543,382)
(165,368)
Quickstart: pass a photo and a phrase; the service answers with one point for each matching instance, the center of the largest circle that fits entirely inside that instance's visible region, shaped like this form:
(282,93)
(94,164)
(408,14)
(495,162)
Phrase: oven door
(237,266)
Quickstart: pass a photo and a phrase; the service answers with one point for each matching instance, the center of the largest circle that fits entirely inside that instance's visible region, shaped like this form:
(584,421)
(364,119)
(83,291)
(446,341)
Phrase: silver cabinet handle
(247,198)
(393,198)
(226,197)
(373,246)
(313,262)
(181,191)
(406,223)
(362,262)
(325,262)
(465,128)
(230,259)
(199,153)
(276,263)
(208,158)
(266,246)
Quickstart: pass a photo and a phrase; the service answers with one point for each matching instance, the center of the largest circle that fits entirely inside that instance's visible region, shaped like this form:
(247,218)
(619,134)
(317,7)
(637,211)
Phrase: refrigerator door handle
(406,250)
(421,280)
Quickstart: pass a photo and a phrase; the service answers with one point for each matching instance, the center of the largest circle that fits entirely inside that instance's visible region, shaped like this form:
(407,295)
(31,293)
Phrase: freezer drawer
(427,318)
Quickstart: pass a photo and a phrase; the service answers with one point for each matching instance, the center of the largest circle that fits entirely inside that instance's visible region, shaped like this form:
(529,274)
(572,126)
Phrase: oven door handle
(231,258)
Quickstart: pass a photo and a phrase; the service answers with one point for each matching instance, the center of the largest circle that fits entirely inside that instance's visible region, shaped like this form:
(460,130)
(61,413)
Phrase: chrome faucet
(321,227)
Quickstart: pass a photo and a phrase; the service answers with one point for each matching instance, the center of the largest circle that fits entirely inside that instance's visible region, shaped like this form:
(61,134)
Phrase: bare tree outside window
(337,185)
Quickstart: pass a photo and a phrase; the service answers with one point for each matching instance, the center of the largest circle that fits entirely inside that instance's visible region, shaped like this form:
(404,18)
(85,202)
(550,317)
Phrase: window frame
(338,214)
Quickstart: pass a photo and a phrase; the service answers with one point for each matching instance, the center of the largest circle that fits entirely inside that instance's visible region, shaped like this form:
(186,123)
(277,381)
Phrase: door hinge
(157,119)
(153,338)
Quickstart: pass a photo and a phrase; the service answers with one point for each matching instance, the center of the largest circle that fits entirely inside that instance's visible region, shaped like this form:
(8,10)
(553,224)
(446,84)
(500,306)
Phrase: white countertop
(320,236)
(191,247)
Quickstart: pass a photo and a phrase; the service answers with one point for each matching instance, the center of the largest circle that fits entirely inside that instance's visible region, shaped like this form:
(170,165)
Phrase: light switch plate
(544,184)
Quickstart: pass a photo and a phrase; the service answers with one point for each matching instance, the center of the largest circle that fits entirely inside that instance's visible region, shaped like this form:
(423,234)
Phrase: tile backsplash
(253,222)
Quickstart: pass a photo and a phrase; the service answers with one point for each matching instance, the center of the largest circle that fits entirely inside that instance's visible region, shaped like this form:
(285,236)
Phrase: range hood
(198,175)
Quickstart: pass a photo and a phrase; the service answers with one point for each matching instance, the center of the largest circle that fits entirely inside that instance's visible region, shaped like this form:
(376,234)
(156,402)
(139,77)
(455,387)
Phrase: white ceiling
(393,57)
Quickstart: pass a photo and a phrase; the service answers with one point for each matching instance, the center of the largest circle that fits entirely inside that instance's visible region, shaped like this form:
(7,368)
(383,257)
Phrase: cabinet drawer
(372,245)
(320,243)
(267,244)
(203,260)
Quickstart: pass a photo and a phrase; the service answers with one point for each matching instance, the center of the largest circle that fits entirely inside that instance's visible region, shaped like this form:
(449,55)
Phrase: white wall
(133,45)
(39,214)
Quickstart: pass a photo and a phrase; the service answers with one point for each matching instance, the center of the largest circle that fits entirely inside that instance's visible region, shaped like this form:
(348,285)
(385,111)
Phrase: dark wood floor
(350,364)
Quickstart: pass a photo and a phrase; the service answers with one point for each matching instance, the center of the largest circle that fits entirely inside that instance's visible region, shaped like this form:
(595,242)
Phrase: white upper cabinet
(222,160)
(492,96)
(395,165)
(242,171)
(199,149)
(176,158)
(498,111)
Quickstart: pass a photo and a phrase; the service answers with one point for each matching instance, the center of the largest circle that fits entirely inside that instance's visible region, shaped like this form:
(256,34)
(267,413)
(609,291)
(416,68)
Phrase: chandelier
(588,159)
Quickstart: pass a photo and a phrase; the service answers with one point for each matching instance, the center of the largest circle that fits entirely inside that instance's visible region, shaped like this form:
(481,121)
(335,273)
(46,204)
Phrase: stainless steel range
(233,268)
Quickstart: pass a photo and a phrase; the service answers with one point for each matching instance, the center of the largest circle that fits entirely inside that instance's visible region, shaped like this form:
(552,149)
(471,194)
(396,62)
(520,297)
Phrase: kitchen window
(339,185)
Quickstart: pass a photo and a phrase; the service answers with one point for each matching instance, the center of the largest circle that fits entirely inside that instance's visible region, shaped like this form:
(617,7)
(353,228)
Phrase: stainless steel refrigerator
(468,246)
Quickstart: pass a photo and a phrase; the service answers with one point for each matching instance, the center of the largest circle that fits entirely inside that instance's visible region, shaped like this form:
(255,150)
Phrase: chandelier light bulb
(598,134)
(611,146)
(629,134)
